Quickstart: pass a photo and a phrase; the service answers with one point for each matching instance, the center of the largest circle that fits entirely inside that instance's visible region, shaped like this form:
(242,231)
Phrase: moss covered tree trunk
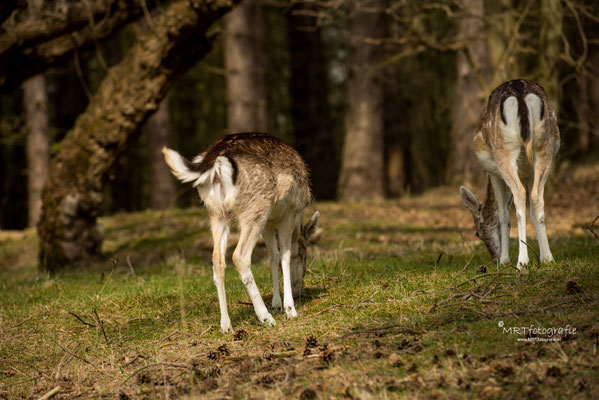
(131,91)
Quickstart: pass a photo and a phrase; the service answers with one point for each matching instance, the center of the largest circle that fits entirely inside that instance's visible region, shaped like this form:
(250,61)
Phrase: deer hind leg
(502,195)
(220,236)
(242,257)
(274,258)
(285,230)
(541,173)
(509,174)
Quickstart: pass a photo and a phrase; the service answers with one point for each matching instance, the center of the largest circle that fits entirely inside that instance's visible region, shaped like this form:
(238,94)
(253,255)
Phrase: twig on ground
(172,334)
(63,360)
(534,251)
(24,381)
(50,394)
(130,266)
(30,366)
(482,276)
(465,267)
(21,323)
(375,330)
(101,325)
(590,228)
(137,357)
(327,309)
(160,364)
(81,320)
(76,356)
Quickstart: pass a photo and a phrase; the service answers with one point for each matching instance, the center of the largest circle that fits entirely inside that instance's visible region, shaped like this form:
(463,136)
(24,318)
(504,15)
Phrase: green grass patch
(397,304)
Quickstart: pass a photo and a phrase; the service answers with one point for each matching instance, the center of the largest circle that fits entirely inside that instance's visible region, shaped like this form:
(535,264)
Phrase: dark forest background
(380,97)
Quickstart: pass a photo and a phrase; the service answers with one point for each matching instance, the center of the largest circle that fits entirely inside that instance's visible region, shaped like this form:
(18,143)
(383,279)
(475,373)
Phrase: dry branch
(159,364)
(51,393)
(101,325)
(81,320)
(590,228)
(377,329)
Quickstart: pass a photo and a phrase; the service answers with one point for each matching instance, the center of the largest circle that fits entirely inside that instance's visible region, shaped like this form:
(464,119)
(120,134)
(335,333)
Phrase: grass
(401,300)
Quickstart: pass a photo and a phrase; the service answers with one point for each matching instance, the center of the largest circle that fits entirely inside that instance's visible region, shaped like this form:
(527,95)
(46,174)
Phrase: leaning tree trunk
(310,109)
(131,91)
(38,143)
(469,98)
(362,175)
(162,184)
(245,65)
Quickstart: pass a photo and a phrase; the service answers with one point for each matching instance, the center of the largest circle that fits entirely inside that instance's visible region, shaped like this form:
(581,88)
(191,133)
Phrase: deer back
(255,171)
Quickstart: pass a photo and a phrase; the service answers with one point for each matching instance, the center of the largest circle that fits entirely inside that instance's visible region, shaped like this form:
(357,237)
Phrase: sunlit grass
(397,303)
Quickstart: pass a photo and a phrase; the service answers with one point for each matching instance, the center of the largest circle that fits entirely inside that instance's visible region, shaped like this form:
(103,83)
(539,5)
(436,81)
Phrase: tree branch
(30,44)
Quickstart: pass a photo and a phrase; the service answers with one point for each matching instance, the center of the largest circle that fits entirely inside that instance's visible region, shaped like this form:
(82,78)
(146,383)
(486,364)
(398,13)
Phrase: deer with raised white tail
(516,139)
(263,184)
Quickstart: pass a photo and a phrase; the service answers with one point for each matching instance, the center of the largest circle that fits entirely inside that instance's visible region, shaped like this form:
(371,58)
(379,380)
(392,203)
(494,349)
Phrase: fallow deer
(262,183)
(516,139)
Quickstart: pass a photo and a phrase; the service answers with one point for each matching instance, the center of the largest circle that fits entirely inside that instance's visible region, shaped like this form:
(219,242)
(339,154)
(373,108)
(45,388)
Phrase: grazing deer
(262,183)
(518,117)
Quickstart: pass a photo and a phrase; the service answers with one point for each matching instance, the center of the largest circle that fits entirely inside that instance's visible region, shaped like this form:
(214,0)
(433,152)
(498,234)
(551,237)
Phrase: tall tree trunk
(550,49)
(362,175)
(162,185)
(245,65)
(38,143)
(396,125)
(584,113)
(130,92)
(473,72)
(505,62)
(313,128)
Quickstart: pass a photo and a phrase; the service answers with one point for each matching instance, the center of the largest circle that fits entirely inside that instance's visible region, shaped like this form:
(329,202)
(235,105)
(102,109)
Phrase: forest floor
(401,300)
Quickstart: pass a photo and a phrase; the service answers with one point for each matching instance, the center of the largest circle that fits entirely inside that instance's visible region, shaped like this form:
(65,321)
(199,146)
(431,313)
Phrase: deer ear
(311,231)
(469,200)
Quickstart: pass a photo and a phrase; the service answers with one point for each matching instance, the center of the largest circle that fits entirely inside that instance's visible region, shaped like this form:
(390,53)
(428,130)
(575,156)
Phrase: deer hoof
(268,320)
(290,311)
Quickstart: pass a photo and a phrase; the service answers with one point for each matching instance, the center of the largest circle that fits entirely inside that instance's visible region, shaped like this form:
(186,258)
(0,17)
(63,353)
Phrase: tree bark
(158,132)
(396,123)
(313,128)
(361,176)
(38,143)
(130,92)
(550,49)
(473,73)
(245,65)
(505,62)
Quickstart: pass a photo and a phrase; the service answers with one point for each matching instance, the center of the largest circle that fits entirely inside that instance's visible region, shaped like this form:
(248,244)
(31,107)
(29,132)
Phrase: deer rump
(215,180)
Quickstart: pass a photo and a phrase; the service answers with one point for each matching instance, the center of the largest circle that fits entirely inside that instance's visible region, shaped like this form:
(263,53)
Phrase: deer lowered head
(302,236)
(486,220)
